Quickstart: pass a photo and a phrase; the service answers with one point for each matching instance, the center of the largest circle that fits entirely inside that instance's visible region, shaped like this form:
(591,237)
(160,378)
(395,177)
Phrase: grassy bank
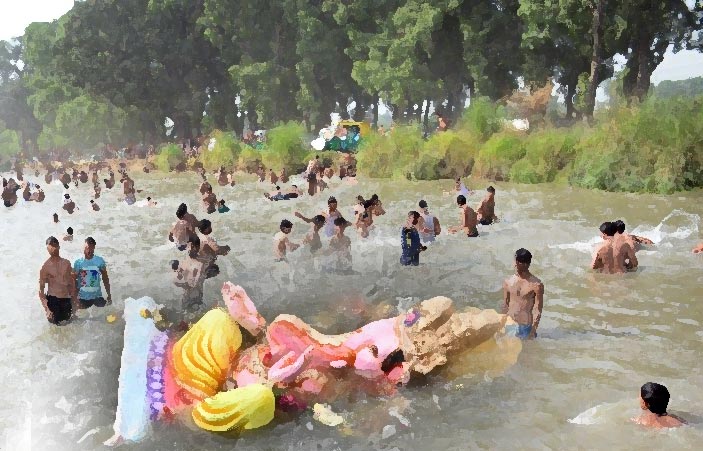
(653,147)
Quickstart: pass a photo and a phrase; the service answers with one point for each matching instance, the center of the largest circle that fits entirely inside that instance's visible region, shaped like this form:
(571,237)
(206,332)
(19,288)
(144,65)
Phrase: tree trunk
(643,63)
(376,103)
(569,100)
(426,120)
(596,59)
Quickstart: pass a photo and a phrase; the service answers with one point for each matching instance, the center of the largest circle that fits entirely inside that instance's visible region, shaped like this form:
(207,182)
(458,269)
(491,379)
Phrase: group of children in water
(523,292)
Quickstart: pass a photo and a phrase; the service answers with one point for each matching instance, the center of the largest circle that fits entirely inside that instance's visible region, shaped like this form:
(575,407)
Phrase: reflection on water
(601,337)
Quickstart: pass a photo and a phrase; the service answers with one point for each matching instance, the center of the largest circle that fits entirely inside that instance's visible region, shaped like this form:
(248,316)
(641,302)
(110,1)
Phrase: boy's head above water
(286,226)
(654,397)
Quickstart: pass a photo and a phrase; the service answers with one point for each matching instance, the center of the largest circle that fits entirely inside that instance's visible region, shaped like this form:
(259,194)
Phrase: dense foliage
(110,73)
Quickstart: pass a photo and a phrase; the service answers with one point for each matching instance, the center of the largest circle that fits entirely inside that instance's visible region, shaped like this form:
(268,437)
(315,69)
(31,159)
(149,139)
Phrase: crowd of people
(65,288)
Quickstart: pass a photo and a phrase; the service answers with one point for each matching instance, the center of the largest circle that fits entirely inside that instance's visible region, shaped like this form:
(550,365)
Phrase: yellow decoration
(247,407)
(145,313)
(202,357)
(111,318)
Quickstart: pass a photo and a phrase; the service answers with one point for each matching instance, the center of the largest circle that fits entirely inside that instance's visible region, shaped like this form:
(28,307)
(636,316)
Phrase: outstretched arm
(307,220)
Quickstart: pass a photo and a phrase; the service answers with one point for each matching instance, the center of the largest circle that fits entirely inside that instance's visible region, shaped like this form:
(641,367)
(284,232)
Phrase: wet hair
(368,204)
(392,360)
(340,221)
(181,211)
(286,224)
(66,196)
(332,200)
(52,241)
(204,225)
(608,228)
(294,186)
(490,189)
(522,255)
(148,198)
(278,187)
(619,226)
(222,202)
(460,199)
(374,197)
(359,198)
(656,396)
(92,201)
(174,264)
(90,241)
(414,214)
(422,204)
(318,219)
(69,230)
(317,157)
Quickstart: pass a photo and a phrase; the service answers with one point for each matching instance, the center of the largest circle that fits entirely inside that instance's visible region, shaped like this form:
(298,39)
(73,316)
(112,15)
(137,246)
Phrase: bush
(396,155)
(498,154)
(546,153)
(483,118)
(456,150)
(285,147)
(225,152)
(657,147)
(170,156)
(9,144)
(249,159)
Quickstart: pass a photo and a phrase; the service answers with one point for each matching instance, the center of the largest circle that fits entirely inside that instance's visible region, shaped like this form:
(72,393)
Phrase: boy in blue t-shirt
(90,270)
(410,241)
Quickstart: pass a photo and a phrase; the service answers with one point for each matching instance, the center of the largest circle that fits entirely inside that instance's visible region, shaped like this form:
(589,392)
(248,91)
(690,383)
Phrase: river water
(575,387)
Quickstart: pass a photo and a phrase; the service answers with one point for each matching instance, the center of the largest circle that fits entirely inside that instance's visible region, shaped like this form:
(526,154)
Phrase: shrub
(249,159)
(498,154)
(285,147)
(456,151)
(482,118)
(170,156)
(546,153)
(225,152)
(395,155)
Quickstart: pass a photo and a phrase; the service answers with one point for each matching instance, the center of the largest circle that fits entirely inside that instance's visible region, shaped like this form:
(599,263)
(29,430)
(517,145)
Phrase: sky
(17,14)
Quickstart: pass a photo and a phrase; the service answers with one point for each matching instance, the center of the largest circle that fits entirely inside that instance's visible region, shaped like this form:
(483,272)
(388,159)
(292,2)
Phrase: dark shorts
(486,221)
(312,177)
(182,247)
(86,303)
(472,235)
(60,307)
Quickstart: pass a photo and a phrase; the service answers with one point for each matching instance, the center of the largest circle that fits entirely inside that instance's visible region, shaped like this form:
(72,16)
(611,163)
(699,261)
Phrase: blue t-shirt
(89,277)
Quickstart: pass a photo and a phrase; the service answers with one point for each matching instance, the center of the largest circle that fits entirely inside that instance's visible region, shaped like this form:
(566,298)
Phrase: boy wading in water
(57,276)
(90,270)
(654,399)
(523,297)
(467,217)
(486,210)
(281,243)
(410,241)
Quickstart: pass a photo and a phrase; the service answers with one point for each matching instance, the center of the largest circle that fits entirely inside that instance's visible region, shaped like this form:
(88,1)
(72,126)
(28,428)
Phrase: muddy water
(575,387)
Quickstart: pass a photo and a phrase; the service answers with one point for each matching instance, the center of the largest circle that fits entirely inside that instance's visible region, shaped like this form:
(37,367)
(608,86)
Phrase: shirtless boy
(654,399)
(57,276)
(635,241)
(523,297)
(209,249)
(281,241)
(364,220)
(486,210)
(614,256)
(340,246)
(313,237)
(467,217)
(183,228)
(210,201)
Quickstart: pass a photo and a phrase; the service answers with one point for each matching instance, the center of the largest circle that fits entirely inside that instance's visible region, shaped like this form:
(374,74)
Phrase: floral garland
(154,375)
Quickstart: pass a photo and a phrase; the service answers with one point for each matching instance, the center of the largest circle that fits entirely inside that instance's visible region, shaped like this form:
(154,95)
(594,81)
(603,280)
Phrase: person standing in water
(209,249)
(486,210)
(68,204)
(183,228)
(428,226)
(281,241)
(313,237)
(340,246)
(523,297)
(364,220)
(210,201)
(330,214)
(467,217)
(90,270)
(635,241)
(68,236)
(283,176)
(94,206)
(311,175)
(273,178)
(654,400)
(56,276)
(410,241)
(222,207)
(614,256)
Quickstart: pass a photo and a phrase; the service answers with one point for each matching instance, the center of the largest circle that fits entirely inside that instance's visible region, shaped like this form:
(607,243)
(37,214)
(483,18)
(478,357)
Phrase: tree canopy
(110,73)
